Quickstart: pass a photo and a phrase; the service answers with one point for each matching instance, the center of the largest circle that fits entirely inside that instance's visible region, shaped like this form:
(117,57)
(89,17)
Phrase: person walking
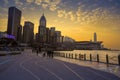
(52,54)
(37,52)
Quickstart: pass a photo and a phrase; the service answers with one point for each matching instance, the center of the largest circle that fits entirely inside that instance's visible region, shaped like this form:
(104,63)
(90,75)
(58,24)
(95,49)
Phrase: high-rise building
(52,30)
(19,33)
(28,32)
(47,35)
(14,18)
(53,35)
(58,34)
(42,21)
(36,37)
(62,39)
(42,30)
(95,37)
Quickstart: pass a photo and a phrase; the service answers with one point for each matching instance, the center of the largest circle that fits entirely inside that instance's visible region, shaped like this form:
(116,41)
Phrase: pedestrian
(43,54)
(52,54)
(37,52)
(32,50)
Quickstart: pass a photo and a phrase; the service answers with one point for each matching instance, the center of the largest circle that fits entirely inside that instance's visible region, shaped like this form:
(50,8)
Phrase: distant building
(47,35)
(95,37)
(61,39)
(36,37)
(53,35)
(14,18)
(2,34)
(89,45)
(58,34)
(68,39)
(28,32)
(19,33)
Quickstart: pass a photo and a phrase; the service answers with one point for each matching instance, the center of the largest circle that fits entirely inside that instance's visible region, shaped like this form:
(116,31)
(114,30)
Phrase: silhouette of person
(43,54)
(52,54)
(37,52)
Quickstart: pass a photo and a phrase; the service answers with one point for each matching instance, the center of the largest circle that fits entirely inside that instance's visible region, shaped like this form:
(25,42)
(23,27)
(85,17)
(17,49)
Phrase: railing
(84,58)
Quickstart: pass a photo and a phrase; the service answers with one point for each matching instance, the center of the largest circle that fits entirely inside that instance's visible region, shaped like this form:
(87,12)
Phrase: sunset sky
(78,19)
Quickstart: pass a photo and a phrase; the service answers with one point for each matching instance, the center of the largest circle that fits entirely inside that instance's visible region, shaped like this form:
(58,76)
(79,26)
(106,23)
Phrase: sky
(78,19)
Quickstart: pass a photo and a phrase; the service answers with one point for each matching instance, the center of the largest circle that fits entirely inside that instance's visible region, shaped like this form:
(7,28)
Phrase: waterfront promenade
(114,69)
(29,66)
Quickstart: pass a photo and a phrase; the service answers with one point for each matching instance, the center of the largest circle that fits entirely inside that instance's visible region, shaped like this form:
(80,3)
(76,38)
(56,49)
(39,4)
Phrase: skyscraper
(42,29)
(28,32)
(53,36)
(95,37)
(19,33)
(47,35)
(14,18)
(36,37)
(42,21)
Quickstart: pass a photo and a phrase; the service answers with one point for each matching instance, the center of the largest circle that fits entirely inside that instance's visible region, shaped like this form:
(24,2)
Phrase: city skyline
(80,20)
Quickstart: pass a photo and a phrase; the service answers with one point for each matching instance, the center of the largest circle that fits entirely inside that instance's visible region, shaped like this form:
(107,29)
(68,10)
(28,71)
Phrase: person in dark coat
(52,53)
(37,52)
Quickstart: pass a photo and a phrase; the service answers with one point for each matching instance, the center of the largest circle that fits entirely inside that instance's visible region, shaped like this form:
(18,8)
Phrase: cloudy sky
(78,19)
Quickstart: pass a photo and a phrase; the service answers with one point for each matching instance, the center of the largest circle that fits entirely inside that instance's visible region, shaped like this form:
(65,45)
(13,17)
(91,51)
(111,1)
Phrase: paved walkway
(114,69)
(29,66)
